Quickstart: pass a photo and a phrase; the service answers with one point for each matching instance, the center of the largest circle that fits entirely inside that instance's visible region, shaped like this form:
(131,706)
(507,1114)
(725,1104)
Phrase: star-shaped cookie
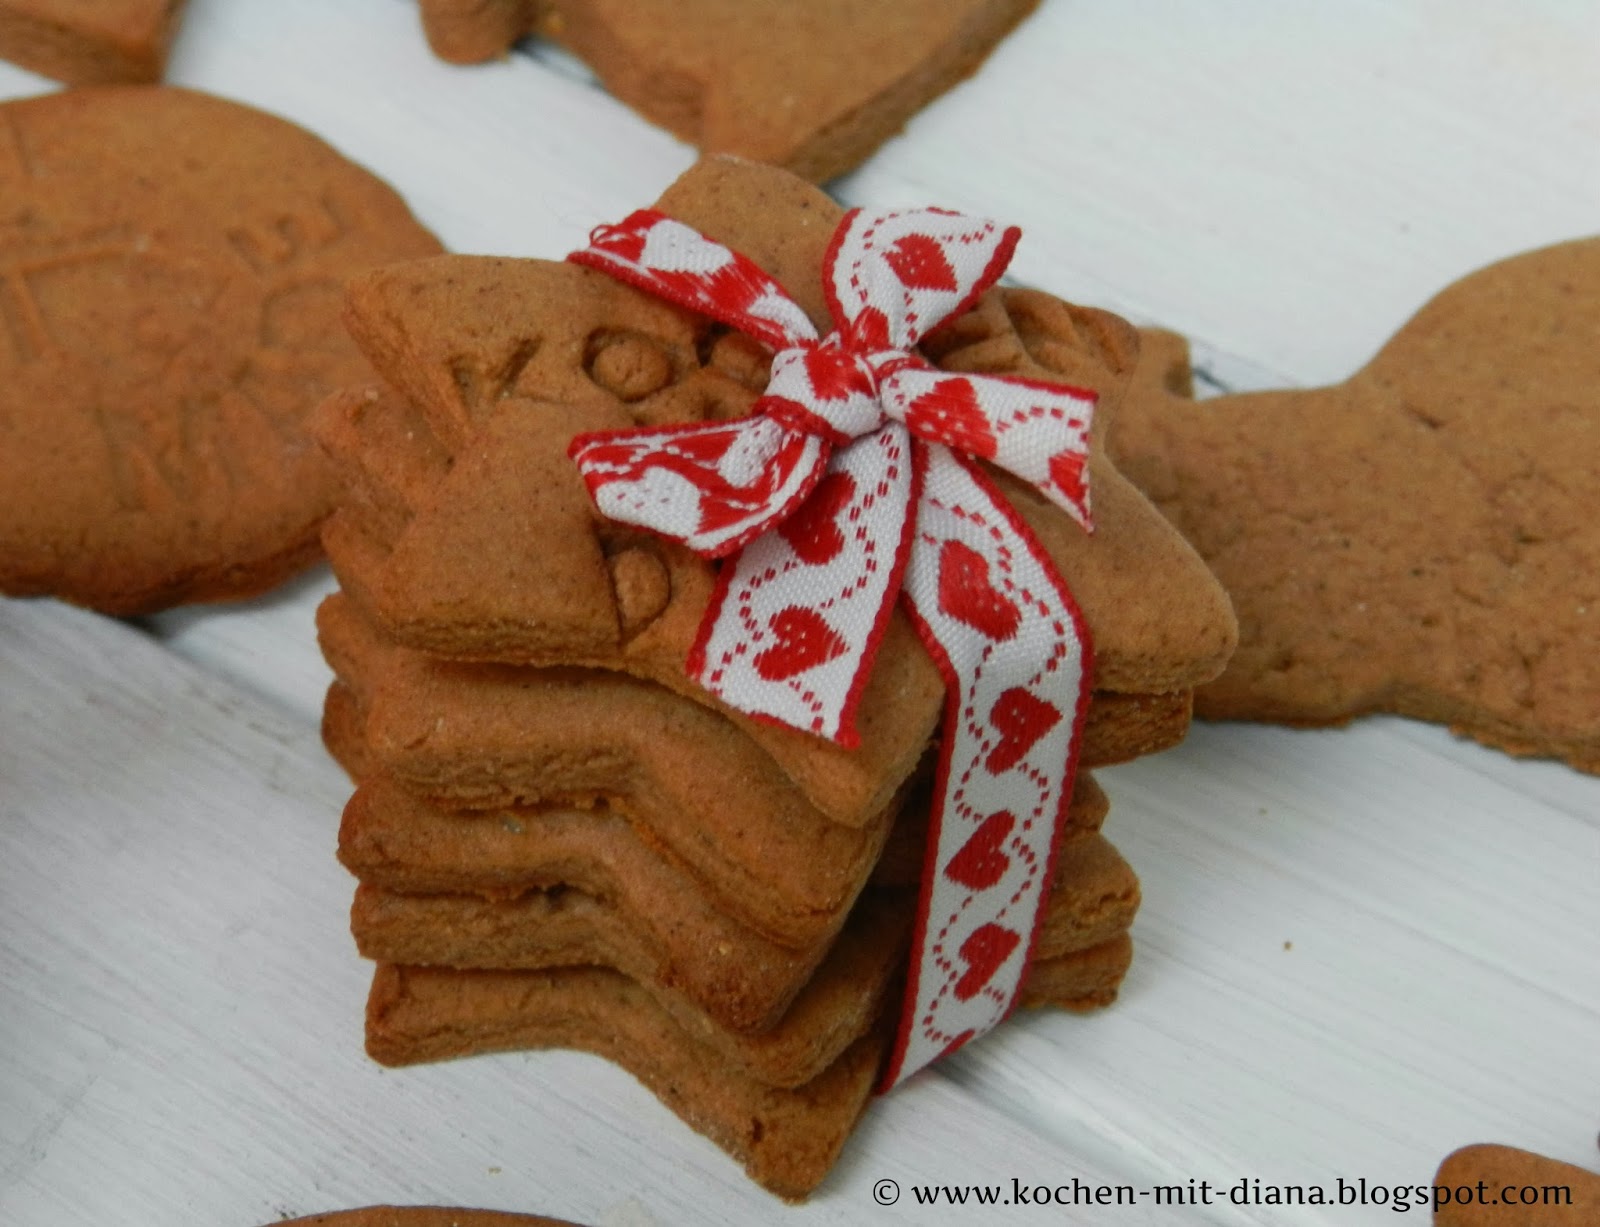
(468,533)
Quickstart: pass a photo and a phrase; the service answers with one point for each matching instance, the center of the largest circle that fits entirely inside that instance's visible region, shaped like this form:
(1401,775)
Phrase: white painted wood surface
(1358,948)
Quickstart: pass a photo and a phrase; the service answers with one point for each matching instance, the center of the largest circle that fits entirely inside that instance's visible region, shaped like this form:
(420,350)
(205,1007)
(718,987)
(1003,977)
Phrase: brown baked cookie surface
(422,1216)
(470,534)
(1419,539)
(562,839)
(90,42)
(813,87)
(1500,1186)
(171,272)
(783,1101)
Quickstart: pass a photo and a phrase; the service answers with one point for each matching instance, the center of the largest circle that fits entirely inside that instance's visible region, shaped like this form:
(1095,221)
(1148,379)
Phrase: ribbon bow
(851,485)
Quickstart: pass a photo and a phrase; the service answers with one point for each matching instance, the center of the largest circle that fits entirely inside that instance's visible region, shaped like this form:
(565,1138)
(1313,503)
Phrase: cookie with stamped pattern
(172,267)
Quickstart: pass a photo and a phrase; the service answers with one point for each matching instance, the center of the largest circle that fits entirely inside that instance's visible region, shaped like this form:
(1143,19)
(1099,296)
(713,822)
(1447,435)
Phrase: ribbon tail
(1016,656)
(711,485)
(1038,431)
(661,256)
(795,622)
(891,278)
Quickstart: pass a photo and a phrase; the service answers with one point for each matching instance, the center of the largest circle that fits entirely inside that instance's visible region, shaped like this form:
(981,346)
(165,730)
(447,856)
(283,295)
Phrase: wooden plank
(1352,958)
(1283,185)
(508,158)
(267,646)
(181,1004)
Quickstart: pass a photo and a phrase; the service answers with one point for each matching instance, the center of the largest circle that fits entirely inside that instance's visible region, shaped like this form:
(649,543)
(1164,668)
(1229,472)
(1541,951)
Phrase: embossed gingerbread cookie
(1419,539)
(90,42)
(813,87)
(171,278)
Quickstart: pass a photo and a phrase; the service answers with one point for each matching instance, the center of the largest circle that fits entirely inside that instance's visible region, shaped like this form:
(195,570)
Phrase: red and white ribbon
(850,485)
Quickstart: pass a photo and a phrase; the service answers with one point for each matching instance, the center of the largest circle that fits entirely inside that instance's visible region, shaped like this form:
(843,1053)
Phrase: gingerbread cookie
(621,911)
(689,782)
(786,1138)
(488,737)
(1081,955)
(90,42)
(1081,980)
(444,566)
(834,1008)
(422,1216)
(814,87)
(418,1014)
(1500,1186)
(171,273)
(744,983)
(781,1102)
(563,839)
(1417,539)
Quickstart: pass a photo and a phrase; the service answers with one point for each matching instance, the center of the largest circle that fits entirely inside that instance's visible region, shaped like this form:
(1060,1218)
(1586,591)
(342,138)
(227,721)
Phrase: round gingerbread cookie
(171,280)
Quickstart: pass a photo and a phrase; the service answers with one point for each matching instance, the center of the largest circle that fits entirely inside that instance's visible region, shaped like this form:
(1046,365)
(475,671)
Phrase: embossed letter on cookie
(171,277)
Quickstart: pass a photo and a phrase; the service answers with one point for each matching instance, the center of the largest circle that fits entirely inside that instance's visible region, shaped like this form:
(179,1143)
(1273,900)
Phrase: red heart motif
(982,862)
(966,594)
(802,640)
(1066,474)
(813,531)
(949,413)
(920,263)
(1021,719)
(988,947)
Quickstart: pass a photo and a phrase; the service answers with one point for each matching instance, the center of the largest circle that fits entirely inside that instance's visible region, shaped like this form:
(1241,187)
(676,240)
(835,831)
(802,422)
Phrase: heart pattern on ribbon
(813,532)
(1021,718)
(950,409)
(801,640)
(966,594)
(850,490)
(984,951)
(920,263)
(982,860)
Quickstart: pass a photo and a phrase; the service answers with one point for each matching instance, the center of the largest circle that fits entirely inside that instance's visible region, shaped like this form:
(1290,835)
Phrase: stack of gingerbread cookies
(562,840)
